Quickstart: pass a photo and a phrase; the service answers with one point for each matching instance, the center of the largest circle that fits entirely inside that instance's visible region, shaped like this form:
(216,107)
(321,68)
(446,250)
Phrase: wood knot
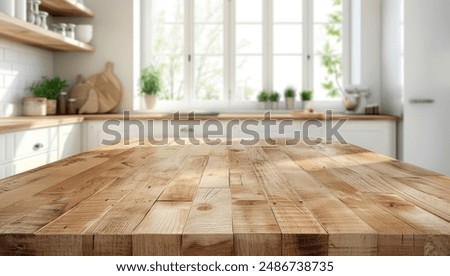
(204,207)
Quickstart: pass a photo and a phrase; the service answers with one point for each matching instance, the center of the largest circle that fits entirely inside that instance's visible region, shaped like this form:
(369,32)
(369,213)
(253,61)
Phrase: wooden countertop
(24,123)
(11,124)
(226,200)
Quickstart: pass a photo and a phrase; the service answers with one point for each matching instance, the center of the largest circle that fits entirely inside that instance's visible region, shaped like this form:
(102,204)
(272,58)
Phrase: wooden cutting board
(101,93)
(91,105)
(109,89)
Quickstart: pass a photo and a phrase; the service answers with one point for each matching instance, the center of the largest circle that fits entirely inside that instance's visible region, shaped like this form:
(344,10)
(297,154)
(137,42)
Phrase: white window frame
(229,103)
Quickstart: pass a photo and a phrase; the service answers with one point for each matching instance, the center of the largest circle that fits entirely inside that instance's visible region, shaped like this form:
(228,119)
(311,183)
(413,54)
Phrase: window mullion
(189,50)
(229,52)
(268,45)
(308,44)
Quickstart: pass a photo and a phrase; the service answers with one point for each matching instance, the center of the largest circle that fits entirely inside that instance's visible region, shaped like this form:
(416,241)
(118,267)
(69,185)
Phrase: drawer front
(30,163)
(35,141)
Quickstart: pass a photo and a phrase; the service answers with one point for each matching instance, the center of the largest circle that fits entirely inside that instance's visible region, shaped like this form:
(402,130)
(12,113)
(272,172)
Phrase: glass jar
(59,28)
(30,11)
(72,106)
(70,31)
(37,18)
(43,18)
(62,103)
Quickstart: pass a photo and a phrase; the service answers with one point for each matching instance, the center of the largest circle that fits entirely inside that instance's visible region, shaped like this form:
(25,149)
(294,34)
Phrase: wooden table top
(226,200)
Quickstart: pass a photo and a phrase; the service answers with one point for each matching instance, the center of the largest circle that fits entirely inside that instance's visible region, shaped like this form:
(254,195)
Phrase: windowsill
(237,107)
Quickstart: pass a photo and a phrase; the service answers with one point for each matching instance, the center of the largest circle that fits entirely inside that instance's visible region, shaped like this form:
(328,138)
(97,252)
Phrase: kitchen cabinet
(69,140)
(25,150)
(376,135)
(26,33)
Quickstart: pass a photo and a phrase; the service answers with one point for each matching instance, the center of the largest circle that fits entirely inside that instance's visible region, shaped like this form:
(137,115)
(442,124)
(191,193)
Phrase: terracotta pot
(150,101)
(51,107)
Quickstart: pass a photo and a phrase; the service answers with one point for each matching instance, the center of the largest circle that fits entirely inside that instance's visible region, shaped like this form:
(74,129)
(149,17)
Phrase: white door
(427,84)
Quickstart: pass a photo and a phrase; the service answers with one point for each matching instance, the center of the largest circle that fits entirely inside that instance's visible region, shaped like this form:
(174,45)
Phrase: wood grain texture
(226,200)
(24,32)
(66,8)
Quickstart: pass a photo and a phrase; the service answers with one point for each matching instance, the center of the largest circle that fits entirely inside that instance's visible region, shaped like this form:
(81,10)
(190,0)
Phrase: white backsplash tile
(20,66)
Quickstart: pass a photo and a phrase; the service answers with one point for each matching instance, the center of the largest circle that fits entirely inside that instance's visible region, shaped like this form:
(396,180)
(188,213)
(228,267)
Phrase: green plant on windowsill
(274,96)
(151,84)
(274,99)
(289,96)
(289,92)
(263,96)
(306,95)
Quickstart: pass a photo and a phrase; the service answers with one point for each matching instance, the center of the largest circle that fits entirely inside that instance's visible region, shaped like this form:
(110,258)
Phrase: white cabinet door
(6,171)
(378,136)
(427,83)
(69,140)
(2,148)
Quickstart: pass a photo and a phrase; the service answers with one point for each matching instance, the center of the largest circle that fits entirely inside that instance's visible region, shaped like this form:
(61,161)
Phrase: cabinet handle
(421,101)
(38,146)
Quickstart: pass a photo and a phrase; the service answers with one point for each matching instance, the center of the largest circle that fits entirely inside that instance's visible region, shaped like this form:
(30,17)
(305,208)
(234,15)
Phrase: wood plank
(303,235)
(112,234)
(32,182)
(216,173)
(208,229)
(185,183)
(436,241)
(160,232)
(348,233)
(395,237)
(66,8)
(65,195)
(24,32)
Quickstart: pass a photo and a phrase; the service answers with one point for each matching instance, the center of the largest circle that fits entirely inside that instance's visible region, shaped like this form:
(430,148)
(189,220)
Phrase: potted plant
(49,89)
(306,98)
(274,99)
(263,99)
(289,96)
(151,85)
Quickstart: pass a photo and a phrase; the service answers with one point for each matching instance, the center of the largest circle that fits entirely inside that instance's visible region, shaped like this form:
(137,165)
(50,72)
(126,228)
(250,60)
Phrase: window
(227,51)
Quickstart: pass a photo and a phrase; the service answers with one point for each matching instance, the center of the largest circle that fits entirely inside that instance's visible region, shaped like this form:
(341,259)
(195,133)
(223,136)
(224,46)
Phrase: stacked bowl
(84,33)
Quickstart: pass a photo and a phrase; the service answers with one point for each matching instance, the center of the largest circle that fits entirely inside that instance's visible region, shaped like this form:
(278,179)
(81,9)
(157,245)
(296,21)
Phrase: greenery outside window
(224,52)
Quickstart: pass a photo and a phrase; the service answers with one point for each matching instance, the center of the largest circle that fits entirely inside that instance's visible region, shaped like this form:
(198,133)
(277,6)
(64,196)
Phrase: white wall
(392,57)
(20,66)
(113,39)
(366,44)
(392,66)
